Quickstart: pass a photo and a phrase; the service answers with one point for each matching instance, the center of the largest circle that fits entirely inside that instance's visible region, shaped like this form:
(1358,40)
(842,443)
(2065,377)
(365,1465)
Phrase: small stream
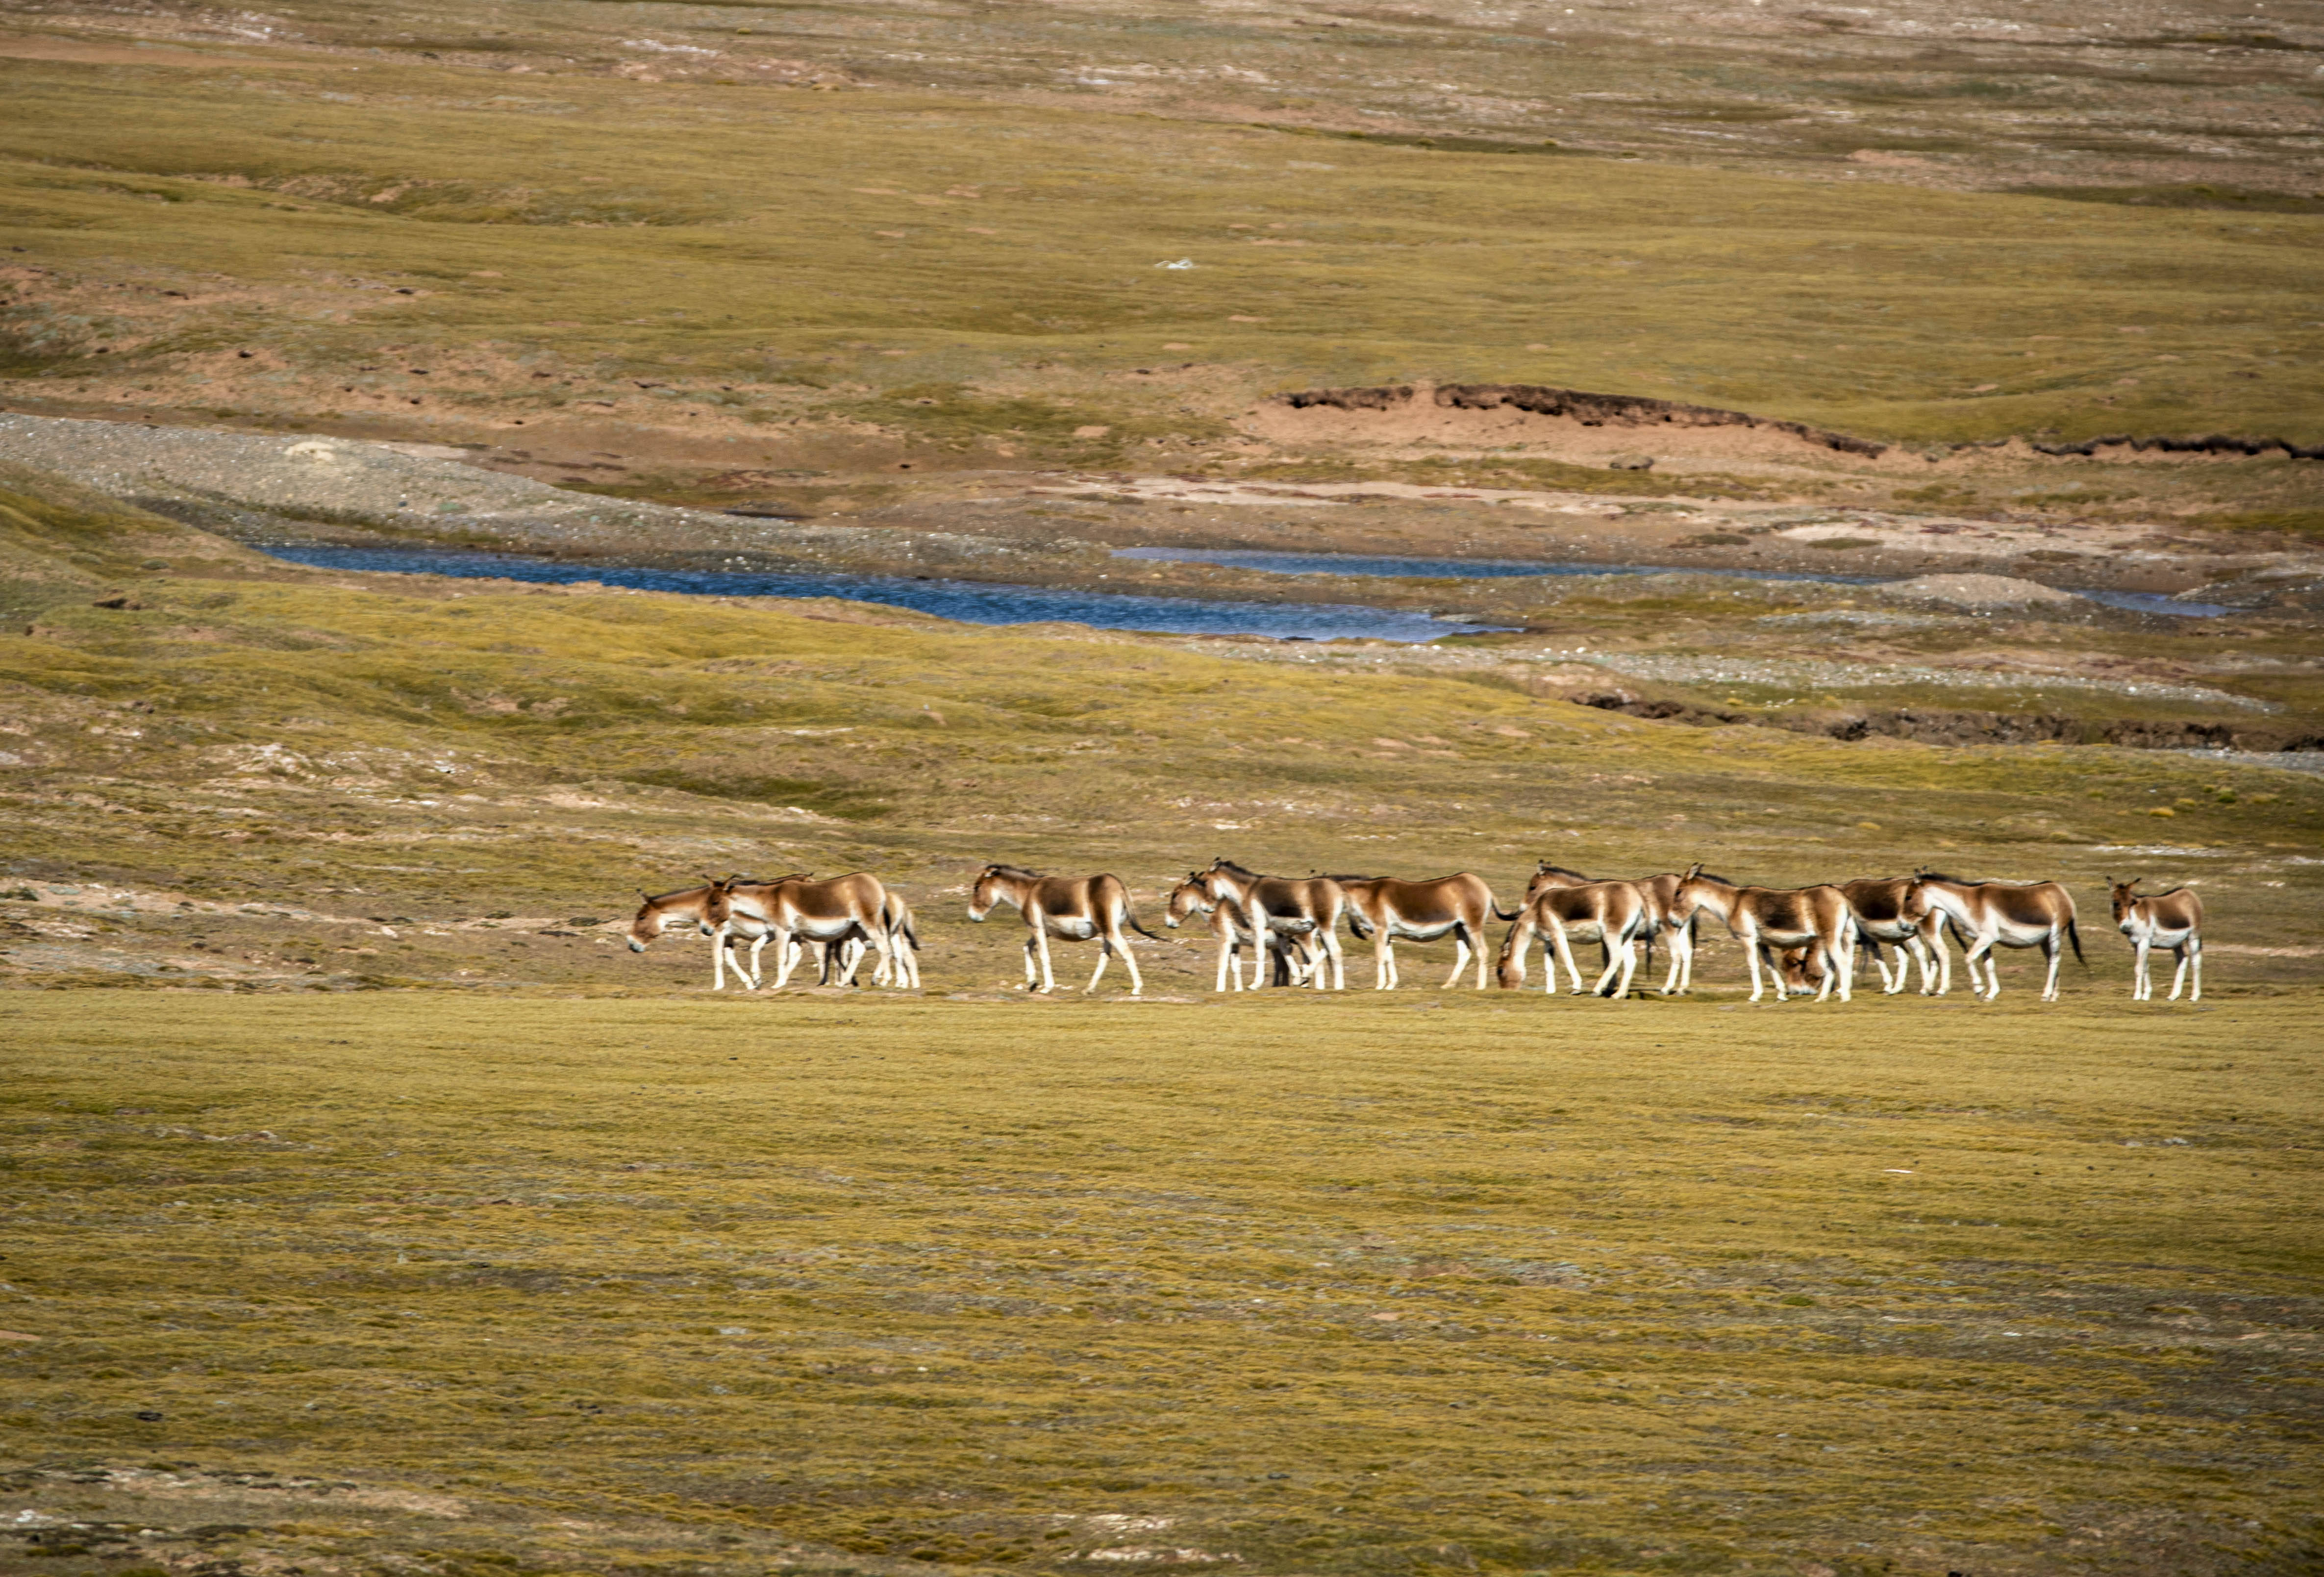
(979,603)
(969,602)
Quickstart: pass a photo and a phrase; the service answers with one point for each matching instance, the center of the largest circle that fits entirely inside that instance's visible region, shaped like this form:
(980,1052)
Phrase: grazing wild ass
(1768,919)
(1878,902)
(1076,908)
(2172,919)
(794,909)
(1193,896)
(1295,906)
(1383,909)
(1614,913)
(1998,914)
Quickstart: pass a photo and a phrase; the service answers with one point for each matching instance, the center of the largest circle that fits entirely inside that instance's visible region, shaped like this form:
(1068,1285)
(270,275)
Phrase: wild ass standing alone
(1193,896)
(1768,919)
(1077,907)
(794,909)
(2172,919)
(2003,914)
(1384,908)
(1614,913)
(1297,906)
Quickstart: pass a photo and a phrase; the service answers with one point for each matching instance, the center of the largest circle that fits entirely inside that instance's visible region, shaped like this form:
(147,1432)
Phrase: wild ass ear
(645,895)
(1692,872)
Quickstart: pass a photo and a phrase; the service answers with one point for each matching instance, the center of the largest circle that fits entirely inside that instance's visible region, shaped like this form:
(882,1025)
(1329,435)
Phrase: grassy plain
(1294,1286)
(324,1070)
(982,275)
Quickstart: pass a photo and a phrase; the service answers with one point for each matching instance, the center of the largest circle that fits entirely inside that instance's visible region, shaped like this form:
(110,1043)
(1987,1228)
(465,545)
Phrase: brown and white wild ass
(1293,906)
(1878,902)
(1614,913)
(692,906)
(1076,908)
(1660,892)
(1998,914)
(794,909)
(1768,919)
(901,969)
(1384,909)
(2172,919)
(1293,956)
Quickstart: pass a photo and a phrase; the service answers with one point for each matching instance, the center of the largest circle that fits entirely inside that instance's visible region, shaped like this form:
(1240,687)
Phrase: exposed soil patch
(1535,416)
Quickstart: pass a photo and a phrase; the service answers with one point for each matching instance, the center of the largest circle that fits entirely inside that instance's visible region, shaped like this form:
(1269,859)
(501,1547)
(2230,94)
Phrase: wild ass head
(2126,897)
(997,884)
(1190,896)
(659,912)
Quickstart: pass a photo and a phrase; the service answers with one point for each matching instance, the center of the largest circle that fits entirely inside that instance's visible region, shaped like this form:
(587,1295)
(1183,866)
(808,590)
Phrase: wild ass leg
(1259,946)
(1681,960)
(1040,924)
(718,959)
(1032,974)
(1105,954)
(2053,948)
(1630,969)
(1223,928)
(1120,944)
(1339,962)
(1980,953)
(2195,957)
(1842,964)
(2141,986)
(1564,945)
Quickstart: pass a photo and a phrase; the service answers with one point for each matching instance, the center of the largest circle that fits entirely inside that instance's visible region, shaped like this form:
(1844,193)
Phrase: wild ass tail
(1131,921)
(2075,936)
(1502,914)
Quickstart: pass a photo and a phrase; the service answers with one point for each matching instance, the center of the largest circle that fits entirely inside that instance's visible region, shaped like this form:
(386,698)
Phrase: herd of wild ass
(1288,928)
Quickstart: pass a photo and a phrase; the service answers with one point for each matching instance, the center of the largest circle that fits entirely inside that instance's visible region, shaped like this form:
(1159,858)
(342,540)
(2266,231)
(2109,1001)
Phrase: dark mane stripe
(1016,870)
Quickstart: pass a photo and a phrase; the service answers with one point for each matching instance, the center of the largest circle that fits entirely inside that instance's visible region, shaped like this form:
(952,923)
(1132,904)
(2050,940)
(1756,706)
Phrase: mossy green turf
(1332,1285)
(708,231)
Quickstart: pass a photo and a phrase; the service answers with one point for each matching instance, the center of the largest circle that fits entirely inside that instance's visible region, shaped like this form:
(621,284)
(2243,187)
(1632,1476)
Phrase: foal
(2172,919)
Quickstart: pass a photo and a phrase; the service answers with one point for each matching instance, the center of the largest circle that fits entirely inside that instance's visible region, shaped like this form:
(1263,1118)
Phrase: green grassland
(835,256)
(1314,1286)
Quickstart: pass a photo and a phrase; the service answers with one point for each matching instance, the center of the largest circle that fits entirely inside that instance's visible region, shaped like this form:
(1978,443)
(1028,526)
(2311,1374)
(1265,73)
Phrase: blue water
(1459,569)
(2156,603)
(969,602)
(1496,568)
